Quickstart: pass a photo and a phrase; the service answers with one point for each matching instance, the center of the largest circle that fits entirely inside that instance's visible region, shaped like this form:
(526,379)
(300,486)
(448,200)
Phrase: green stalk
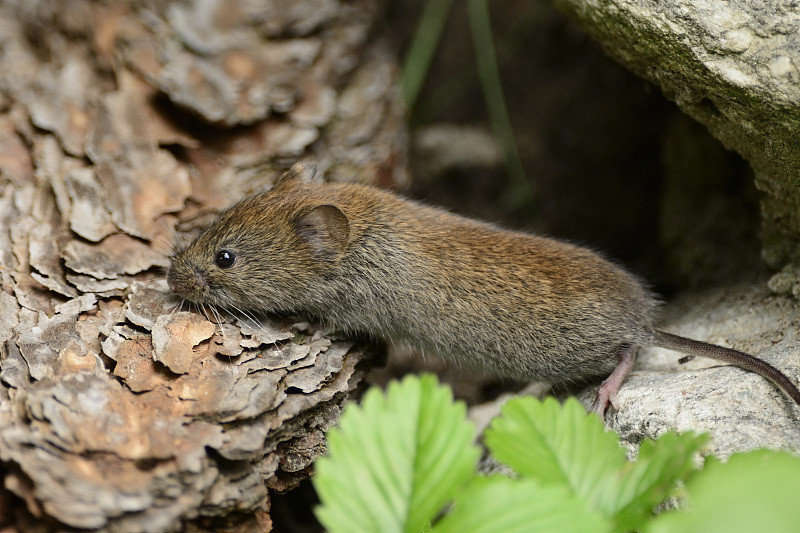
(424,45)
(489,74)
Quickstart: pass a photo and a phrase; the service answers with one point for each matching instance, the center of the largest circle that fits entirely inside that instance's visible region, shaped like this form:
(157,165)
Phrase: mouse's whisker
(220,322)
(251,317)
(175,243)
(174,307)
(243,313)
(163,241)
(236,312)
(211,314)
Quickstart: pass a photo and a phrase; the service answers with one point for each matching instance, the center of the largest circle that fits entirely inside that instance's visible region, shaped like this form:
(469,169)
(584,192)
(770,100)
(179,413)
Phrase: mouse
(367,261)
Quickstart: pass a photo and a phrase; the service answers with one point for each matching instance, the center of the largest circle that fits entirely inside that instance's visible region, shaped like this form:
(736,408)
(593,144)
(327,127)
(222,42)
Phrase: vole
(365,260)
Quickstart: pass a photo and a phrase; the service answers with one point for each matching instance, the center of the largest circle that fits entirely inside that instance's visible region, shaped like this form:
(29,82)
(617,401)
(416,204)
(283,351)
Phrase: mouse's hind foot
(607,393)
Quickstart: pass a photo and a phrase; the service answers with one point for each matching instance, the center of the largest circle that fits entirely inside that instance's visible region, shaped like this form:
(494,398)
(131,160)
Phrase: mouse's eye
(225,259)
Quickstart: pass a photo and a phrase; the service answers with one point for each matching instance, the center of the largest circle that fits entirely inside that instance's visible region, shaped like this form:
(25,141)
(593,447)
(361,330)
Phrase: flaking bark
(123,127)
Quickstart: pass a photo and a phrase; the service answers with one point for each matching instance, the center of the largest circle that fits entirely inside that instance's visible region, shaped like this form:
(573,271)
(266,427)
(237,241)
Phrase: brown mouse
(365,260)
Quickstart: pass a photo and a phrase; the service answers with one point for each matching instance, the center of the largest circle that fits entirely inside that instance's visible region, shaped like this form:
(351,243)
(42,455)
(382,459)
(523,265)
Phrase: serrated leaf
(502,505)
(557,445)
(396,460)
(652,477)
(754,491)
(564,445)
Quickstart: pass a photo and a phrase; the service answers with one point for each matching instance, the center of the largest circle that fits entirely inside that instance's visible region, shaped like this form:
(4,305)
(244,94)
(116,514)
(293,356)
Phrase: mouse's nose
(185,282)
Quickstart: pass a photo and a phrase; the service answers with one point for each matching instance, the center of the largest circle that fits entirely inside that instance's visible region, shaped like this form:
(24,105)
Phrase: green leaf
(396,460)
(652,478)
(558,445)
(565,446)
(503,505)
(755,491)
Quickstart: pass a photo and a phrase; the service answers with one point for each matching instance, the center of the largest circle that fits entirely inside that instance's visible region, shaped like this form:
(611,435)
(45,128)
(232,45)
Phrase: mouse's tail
(728,355)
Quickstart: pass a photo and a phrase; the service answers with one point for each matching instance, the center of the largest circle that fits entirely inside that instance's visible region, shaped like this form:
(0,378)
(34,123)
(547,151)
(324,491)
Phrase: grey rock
(741,410)
(731,66)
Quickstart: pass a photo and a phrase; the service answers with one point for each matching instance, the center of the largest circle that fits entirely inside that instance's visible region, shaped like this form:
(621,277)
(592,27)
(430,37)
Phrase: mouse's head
(268,252)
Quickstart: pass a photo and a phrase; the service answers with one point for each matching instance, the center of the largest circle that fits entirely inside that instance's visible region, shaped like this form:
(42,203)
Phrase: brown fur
(368,261)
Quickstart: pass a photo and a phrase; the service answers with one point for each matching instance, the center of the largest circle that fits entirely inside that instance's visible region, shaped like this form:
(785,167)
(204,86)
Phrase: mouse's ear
(326,229)
(301,172)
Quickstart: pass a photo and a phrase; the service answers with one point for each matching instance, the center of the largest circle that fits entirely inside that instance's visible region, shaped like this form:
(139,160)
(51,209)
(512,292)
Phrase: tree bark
(126,126)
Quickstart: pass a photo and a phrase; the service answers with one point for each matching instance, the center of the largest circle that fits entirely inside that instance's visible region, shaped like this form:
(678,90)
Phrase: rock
(731,66)
(741,410)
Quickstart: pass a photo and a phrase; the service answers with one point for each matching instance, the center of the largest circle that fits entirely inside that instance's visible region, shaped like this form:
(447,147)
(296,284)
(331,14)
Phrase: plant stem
(423,46)
(489,74)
